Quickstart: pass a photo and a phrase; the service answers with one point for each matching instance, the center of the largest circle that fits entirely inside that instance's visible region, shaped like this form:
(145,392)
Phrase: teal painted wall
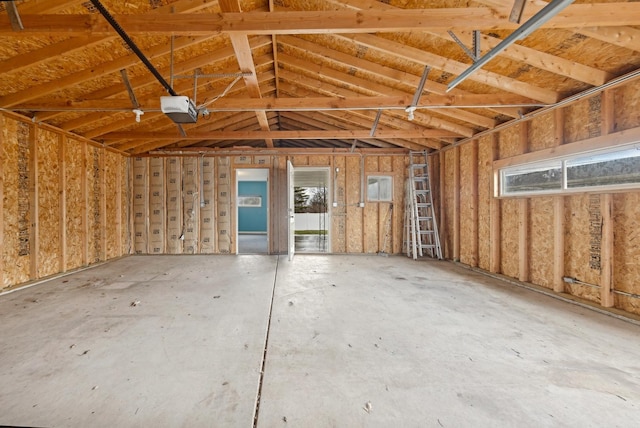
(253,219)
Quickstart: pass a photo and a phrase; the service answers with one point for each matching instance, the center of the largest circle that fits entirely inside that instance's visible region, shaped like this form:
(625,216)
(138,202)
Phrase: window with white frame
(614,168)
(379,188)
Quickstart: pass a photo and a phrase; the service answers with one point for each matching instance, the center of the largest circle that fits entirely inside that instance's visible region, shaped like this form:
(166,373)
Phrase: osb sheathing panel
(626,249)
(542,132)
(95,221)
(399,170)
(467,223)
(485,174)
(207,213)
(541,241)
(16,257)
(627,106)
(354,213)
(191,204)
(48,203)
(74,203)
(449,191)
(582,120)
(339,212)
(509,142)
(577,247)
(318,160)
(509,209)
(112,169)
(126,198)
(371,212)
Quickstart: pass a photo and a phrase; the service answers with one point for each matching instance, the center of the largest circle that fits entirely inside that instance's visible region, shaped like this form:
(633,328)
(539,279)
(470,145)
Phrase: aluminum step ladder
(421,236)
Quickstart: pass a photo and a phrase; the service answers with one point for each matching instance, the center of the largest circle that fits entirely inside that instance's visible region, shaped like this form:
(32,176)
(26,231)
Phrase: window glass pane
(604,169)
(536,178)
(379,188)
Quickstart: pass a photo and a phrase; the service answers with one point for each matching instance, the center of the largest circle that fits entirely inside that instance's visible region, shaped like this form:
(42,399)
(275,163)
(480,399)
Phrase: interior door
(291,211)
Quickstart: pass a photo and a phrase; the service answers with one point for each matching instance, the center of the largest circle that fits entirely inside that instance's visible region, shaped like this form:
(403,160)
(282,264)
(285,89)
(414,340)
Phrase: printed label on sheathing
(206,220)
(222,175)
(261,160)
(139,176)
(206,202)
(156,249)
(207,182)
(156,231)
(172,181)
(206,240)
(223,232)
(595,232)
(138,234)
(223,214)
(173,218)
(138,215)
(156,173)
(156,194)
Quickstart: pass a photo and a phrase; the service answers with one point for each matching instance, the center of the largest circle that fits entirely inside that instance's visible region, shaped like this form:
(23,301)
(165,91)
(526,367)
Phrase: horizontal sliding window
(606,169)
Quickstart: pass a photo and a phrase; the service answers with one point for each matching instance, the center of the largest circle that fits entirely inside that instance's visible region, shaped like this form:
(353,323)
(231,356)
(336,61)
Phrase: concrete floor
(354,341)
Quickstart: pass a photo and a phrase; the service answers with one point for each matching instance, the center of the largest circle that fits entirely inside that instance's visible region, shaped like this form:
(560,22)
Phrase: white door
(291,211)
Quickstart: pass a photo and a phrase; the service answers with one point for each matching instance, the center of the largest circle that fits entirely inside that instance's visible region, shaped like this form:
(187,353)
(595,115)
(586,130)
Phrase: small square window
(379,188)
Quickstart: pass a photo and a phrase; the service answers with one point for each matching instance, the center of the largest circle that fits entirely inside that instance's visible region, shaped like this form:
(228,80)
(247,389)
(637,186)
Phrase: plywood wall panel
(319,160)
(467,223)
(485,175)
(15,248)
(509,142)
(447,242)
(354,224)
(48,203)
(582,120)
(542,132)
(112,214)
(300,160)
(509,237)
(627,106)
(626,249)
(372,211)
(74,203)
(94,214)
(339,210)
(541,241)
(399,166)
(579,231)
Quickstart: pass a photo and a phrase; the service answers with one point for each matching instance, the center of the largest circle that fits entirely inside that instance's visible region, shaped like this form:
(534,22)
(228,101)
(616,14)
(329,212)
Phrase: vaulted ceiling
(303,73)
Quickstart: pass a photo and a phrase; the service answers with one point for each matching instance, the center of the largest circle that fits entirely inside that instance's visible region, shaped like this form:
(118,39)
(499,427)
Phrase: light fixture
(138,113)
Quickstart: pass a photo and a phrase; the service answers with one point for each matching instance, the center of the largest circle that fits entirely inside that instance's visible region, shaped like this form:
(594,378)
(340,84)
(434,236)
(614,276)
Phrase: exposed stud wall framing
(54,206)
(591,237)
(209,227)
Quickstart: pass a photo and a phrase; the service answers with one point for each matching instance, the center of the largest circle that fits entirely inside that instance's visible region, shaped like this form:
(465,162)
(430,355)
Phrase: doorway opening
(312,224)
(252,211)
